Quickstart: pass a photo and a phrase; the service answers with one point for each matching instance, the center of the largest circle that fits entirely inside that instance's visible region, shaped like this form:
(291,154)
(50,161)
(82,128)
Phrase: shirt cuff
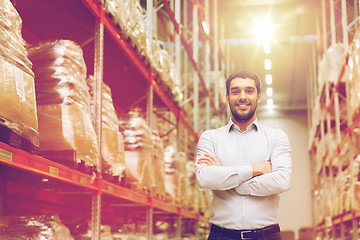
(243,189)
(244,172)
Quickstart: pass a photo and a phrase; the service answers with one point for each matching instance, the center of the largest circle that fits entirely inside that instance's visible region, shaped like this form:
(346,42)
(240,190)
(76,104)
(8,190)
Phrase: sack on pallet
(158,183)
(172,174)
(139,150)
(112,152)
(17,94)
(63,100)
(36,227)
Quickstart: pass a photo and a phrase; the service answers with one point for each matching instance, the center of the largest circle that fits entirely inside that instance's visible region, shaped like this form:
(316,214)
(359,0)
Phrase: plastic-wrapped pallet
(176,179)
(354,69)
(158,166)
(112,146)
(165,67)
(139,150)
(36,228)
(80,229)
(330,65)
(130,231)
(193,187)
(17,94)
(63,100)
(129,15)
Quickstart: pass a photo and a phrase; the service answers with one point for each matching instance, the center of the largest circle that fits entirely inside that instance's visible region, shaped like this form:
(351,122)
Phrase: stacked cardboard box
(17,95)
(63,100)
(112,146)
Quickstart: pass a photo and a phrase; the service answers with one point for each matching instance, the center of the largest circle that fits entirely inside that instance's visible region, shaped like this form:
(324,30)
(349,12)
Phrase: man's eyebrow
(245,88)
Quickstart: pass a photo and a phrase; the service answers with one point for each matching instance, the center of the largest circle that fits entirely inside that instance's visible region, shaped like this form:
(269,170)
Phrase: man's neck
(244,124)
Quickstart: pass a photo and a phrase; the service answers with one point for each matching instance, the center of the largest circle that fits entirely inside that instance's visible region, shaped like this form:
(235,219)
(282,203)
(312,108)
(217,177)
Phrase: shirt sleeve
(218,177)
(279,179)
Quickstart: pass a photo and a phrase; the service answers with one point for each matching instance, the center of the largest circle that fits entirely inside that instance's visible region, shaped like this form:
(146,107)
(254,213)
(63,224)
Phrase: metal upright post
(178,64)
(328,103)
(178,227)
(177,42)
(184,70)
(98,75)
(149,105)
(197,235)
(323,11)
(3,187)
(185,59)
(216,76)
(196,59)
(336,102)
(149,34)
(207,63)
(149,222)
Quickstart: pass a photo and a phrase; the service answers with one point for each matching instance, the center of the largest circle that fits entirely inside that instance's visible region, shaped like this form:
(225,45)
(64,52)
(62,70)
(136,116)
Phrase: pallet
(136,187)
(15,140)
(68,158)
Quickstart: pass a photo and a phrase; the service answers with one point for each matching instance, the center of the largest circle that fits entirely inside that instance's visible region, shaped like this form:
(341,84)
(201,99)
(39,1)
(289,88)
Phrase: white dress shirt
(241,201)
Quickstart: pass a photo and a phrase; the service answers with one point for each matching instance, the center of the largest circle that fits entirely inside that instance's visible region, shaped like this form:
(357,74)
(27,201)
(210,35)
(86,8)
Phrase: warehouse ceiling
(293,25)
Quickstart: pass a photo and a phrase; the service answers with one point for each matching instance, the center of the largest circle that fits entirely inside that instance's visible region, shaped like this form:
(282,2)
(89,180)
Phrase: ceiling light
(270,102)
(205,27)
(268,79)
(267,64)
(267,47)
(269,91)
(264,28)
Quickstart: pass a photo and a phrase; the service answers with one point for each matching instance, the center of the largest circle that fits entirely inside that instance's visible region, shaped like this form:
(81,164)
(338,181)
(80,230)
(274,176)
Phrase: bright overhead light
(270,102)
(263,28)
(268,79)
(205,27)
(269,91)
(267,64)
(267,47)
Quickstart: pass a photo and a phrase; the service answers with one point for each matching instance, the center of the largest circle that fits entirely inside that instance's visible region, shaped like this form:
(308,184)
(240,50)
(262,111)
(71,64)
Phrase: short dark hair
(243,74)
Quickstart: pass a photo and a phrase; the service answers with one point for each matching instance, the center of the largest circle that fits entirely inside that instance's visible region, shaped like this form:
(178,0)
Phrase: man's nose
(242,94)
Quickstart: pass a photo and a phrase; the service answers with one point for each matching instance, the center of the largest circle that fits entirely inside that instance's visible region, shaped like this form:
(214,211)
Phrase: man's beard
(242,118)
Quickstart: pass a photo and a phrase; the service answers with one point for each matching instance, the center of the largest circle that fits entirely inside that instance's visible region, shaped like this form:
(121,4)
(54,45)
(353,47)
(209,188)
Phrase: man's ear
(227,98)
(259,98)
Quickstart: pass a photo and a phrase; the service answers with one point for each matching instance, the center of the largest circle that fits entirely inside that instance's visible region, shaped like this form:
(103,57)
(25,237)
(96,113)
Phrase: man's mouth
(242,104)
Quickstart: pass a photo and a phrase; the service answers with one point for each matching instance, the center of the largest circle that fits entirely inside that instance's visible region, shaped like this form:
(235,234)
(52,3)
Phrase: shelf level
(20,159)
(97,10)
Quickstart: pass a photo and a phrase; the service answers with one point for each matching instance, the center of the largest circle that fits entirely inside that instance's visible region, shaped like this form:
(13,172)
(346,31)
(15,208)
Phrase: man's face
(243,99)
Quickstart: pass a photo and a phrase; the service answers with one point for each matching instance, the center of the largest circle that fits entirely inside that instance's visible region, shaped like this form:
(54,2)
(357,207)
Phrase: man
(246,165)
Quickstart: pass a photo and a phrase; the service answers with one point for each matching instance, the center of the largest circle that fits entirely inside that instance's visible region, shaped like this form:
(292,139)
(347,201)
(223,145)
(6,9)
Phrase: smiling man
(246,165)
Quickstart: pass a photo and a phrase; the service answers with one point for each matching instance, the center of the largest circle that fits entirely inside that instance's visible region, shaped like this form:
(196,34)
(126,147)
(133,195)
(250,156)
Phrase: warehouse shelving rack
(336,121)
(40,183)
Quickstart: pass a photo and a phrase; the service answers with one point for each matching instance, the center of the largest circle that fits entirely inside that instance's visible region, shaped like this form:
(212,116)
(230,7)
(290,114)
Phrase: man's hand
(261,168)
(208,160)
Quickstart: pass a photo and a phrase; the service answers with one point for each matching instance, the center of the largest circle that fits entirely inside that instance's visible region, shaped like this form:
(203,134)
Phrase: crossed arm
(258,179)
(257,168)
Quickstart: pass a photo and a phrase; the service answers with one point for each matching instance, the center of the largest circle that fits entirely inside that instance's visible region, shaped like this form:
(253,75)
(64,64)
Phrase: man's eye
(235,92)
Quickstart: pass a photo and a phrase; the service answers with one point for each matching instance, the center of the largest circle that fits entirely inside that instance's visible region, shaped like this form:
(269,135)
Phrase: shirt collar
(231,124)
